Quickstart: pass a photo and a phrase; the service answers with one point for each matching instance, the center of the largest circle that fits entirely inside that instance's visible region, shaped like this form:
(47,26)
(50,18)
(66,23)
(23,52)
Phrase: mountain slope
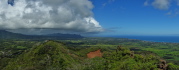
(47,56)
(9,35)
(64,35)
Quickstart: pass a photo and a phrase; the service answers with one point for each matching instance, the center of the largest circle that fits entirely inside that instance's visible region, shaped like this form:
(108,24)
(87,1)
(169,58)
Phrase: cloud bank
(161,4)
(63,15)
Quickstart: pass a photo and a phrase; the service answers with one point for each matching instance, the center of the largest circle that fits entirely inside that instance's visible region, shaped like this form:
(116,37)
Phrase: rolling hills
(56,55)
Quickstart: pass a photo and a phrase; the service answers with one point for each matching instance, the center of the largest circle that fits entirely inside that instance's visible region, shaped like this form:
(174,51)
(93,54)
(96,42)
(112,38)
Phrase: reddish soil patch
(95,54)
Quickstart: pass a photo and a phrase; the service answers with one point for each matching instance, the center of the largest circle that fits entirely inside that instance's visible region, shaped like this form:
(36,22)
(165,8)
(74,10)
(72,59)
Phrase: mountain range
(10,35)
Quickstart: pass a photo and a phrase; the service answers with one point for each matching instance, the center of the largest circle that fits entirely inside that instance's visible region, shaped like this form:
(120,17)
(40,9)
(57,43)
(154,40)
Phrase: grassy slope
(49,55)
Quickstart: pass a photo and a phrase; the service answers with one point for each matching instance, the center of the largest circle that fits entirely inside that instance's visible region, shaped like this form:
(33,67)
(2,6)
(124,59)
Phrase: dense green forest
(117,54)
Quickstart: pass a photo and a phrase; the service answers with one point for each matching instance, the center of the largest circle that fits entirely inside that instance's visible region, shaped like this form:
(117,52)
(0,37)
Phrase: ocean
(171,39)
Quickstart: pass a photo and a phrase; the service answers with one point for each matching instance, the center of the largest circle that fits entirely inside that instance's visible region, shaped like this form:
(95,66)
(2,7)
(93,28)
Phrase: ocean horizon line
(170,39)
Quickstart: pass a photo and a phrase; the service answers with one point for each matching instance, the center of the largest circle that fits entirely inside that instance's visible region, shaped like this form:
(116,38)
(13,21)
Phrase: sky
(90,17)
(138,17)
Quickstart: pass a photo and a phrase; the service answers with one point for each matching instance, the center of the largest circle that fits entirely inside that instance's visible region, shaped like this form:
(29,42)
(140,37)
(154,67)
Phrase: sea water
(171,39)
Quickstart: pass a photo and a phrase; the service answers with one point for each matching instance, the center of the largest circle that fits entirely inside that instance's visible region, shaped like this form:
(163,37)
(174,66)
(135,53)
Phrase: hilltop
(46,56)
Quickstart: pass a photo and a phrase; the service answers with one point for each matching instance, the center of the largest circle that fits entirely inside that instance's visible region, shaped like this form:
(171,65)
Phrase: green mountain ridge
(47,56)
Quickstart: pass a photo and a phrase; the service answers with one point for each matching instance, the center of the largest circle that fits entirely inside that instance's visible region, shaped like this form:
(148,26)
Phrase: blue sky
(137,17)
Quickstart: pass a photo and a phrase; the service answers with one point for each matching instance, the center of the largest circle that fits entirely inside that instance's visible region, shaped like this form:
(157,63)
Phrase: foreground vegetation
(167,51)
(118,54)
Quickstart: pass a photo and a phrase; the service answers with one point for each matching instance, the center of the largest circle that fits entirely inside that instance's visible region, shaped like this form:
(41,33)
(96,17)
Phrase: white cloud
(161,4)
(169,13)
(104,4)
(71,15)
(111,0)
(108,2)
(177,2)
(173,13)
(146,3)
(165,5)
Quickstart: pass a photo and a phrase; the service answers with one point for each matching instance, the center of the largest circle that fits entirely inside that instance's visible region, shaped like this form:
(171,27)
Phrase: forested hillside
(57,55)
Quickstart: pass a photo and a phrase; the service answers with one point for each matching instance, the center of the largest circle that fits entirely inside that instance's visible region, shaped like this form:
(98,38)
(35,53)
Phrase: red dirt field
(95,54)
